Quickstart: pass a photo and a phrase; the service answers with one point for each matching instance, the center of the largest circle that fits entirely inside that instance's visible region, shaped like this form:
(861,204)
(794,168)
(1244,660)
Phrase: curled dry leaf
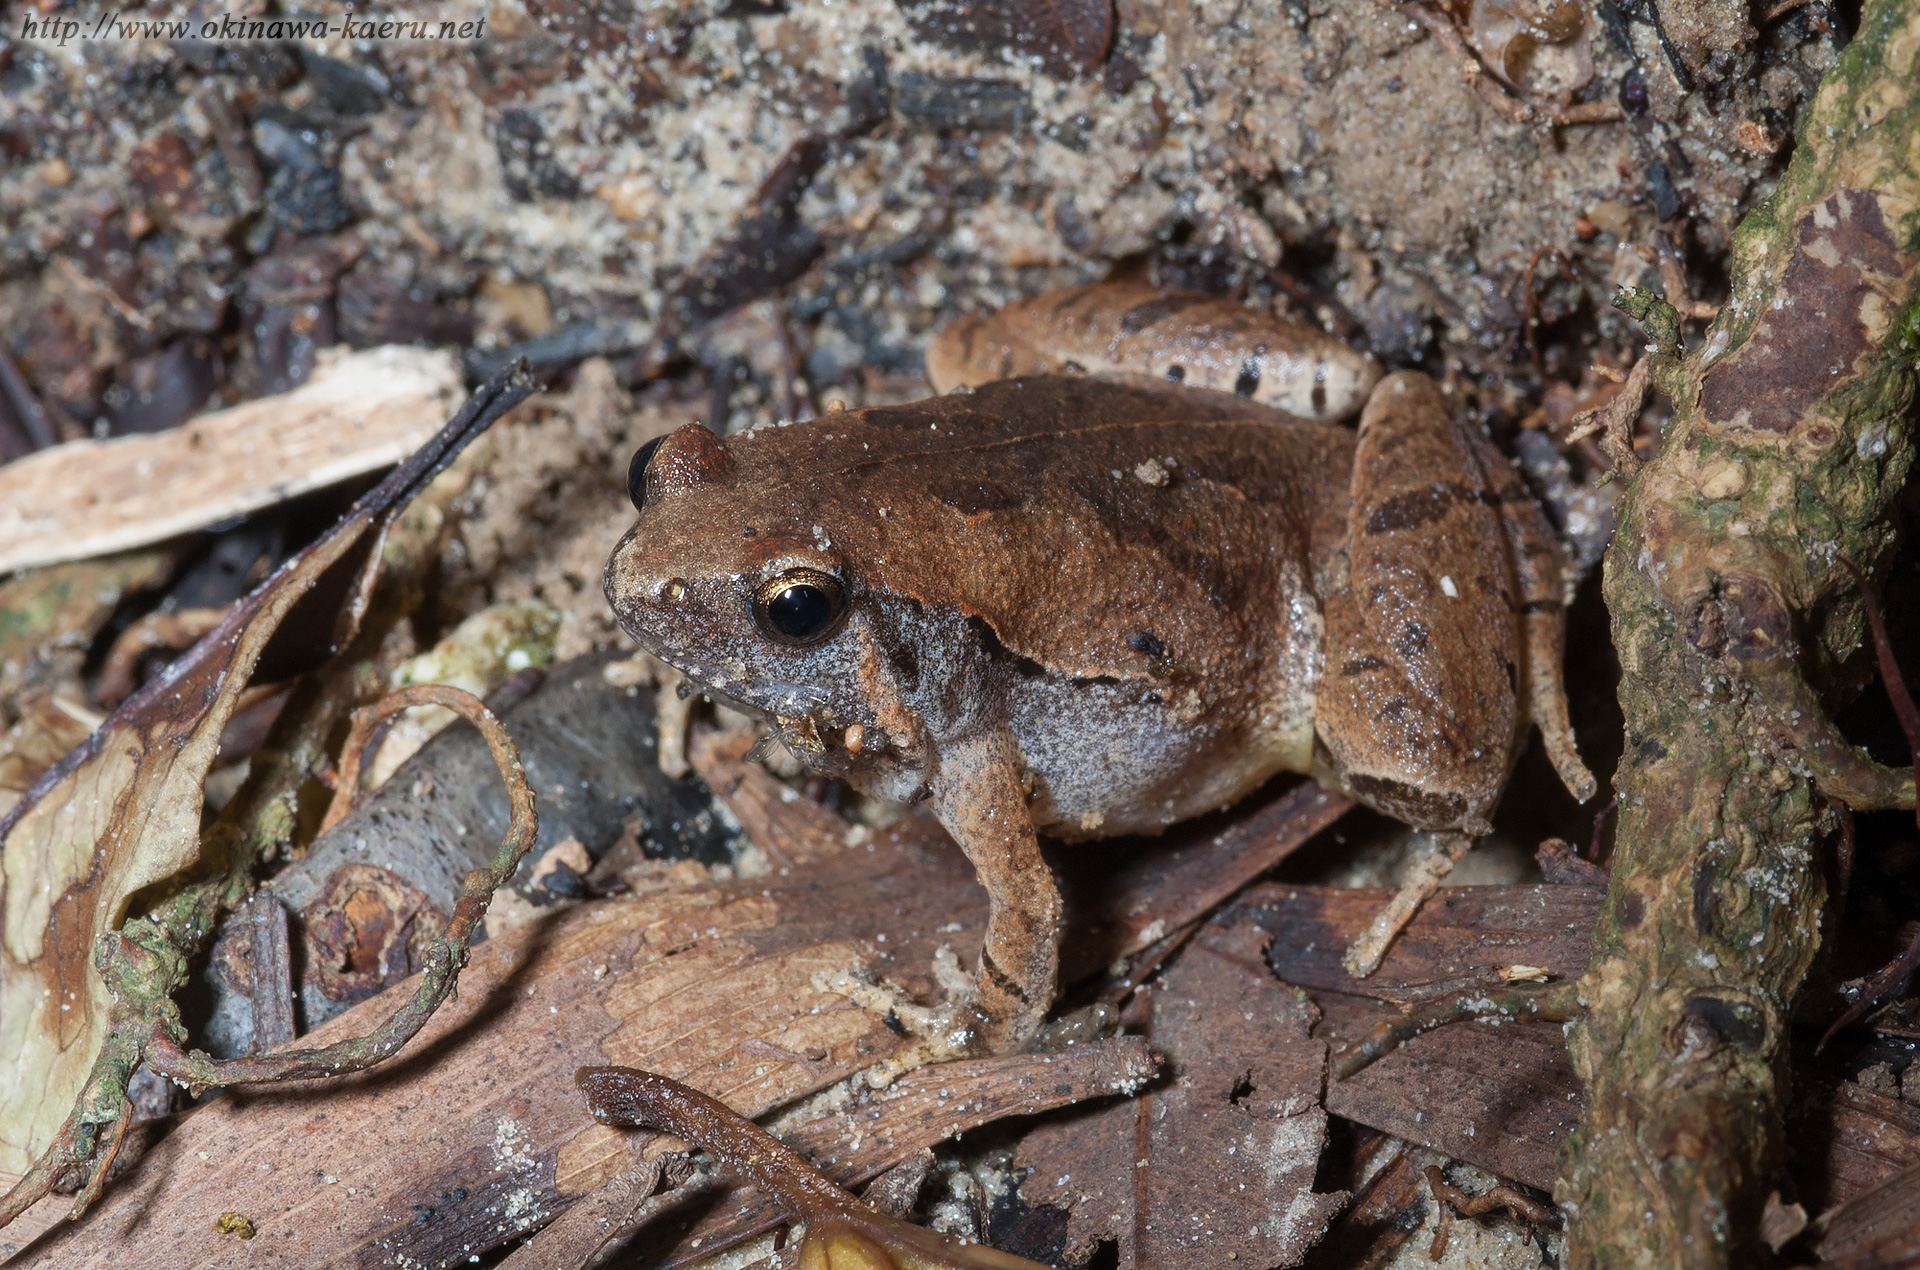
(122,812)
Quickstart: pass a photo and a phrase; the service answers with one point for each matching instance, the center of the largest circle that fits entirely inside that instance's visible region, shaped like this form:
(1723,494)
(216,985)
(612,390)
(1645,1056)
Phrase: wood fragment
(1423,879)
(271,973)
(898,1189)
(1387,1209)
(366,411)
(1562,865)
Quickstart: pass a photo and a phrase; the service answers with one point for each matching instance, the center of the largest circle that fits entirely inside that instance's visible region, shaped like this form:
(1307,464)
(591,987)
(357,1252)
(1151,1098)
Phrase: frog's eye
(800,606)
(637,473)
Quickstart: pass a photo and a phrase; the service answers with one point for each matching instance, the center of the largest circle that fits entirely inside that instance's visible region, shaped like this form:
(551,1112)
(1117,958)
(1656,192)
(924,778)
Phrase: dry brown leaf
(1217,1165)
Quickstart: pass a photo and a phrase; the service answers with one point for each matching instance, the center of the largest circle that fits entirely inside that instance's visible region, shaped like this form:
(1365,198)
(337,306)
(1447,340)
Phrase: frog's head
(728,576)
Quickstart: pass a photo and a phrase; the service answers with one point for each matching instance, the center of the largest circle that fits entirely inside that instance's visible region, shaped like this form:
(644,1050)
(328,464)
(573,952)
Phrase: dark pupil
(800,611)
(637,473)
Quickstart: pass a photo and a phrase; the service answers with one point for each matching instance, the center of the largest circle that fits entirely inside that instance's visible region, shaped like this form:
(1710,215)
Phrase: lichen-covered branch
(1732,610)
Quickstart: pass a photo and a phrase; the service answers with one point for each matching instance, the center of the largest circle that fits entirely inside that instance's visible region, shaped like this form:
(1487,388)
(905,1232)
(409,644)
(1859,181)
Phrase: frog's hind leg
(1421,707)
(1418,705)
(1540,571)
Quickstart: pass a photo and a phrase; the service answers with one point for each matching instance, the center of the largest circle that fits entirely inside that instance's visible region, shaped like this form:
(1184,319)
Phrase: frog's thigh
(981,800)
(1418,705)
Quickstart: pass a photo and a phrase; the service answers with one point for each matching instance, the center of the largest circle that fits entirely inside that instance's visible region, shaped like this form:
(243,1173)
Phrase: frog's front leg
(980,797)
(1429,679)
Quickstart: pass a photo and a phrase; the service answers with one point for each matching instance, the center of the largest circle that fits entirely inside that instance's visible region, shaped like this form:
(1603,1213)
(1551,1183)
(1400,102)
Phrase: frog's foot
(1423,879)
(1547,699)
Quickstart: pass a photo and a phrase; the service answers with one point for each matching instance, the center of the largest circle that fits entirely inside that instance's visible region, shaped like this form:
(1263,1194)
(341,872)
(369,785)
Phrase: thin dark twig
(25,406)
(1530,327)
(1557,1003)
(200,1071)
(1843,853)
(1600,819)
(1890,678)
(1885,982)
(797,394)
(1453,1200)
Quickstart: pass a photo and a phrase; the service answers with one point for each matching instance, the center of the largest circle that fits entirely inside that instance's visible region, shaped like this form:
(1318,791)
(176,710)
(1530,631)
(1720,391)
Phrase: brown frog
(1057,604)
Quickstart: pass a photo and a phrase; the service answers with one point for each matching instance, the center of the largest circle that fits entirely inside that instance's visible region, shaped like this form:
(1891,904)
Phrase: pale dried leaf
(366,411)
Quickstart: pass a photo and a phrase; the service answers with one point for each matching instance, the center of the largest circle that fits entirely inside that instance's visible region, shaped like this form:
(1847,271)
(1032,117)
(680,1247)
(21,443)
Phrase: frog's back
(1077,516)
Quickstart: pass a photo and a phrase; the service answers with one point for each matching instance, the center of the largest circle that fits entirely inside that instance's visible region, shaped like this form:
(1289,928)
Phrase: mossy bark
(1732,609)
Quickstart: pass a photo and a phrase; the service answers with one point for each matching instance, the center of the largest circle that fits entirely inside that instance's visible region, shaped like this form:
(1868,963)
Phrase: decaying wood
(366,411)
(1385,1212)
(1786,455)
(396,861)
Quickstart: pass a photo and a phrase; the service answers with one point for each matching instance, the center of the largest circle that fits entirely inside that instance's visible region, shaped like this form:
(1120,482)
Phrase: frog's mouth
(765,700)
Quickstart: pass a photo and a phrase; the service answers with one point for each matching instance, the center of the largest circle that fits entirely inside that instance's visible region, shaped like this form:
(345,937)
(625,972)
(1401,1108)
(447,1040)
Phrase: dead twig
(270,985)
(856,1234)
(1885,982)
(1615,420)
(1891,679)
(1422,880)
(1455,1202)
(1516,1001)
(1673,280)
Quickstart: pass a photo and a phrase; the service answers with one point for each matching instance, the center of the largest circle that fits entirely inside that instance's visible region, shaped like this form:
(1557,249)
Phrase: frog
(1085,605)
